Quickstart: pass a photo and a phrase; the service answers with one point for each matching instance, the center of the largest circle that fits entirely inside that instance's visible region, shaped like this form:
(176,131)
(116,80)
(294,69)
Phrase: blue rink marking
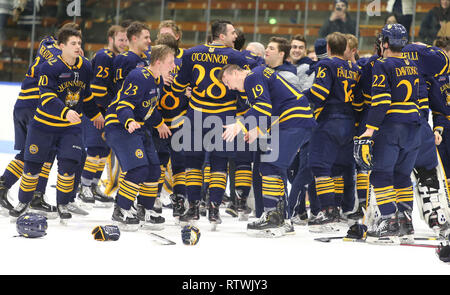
(7,147)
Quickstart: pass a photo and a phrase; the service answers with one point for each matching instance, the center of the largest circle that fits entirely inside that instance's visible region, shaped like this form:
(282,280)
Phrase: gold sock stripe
(64,183)
(404,194)
(101,164)
(128,190)
(194,177)
(29,182)
(272,186)
(179,178)
(15,167)
(243,178)
(385,195)
(325,186)
(207,174)
(162,176)
(218,180)
(45,170)
(91,164)
(149,189)
(338,185)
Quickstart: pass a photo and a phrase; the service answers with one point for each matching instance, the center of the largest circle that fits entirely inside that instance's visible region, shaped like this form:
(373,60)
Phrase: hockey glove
(362,152)
(190,235)
(443,252)
(106,233)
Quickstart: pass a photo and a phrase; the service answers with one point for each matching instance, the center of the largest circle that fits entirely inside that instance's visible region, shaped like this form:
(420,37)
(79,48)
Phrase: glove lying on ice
(106,233)
(190,235)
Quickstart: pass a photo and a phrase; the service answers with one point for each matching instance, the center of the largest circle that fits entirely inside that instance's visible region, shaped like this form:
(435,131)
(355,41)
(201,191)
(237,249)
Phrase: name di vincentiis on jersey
(29,93)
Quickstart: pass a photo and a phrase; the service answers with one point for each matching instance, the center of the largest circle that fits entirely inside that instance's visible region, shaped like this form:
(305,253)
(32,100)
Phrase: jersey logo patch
(139,154)
(72,98)
(34,149)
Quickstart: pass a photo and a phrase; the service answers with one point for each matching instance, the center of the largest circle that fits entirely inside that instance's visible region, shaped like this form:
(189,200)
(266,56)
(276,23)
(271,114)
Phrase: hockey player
(24,109)
(429,175)
(393,122)
(127,118)
(270,97)
(172,106)
(102,88)
(200,66)
(138,35)
(332,94)
(64,87)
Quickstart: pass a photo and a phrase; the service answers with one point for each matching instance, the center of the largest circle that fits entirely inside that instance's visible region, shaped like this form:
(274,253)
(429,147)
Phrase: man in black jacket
(339,21)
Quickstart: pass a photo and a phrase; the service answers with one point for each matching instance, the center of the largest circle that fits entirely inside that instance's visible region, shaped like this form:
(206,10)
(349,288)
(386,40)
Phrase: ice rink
(71,250)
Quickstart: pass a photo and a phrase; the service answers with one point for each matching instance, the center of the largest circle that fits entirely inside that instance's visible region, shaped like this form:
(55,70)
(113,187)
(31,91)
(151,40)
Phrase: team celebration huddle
(335,140)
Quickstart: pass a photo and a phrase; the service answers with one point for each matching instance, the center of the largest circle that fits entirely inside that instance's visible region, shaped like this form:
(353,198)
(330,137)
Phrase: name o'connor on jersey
(210,57)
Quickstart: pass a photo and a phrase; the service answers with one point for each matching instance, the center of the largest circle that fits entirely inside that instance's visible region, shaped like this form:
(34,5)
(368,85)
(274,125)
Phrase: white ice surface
(71,249)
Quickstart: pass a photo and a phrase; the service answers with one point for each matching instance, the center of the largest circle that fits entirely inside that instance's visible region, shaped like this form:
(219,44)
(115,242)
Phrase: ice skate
(152,220)
(20,209)
(359,213)
(300,219)
(64,214)
(324,222)
(157,207)
(5,205)
(269,225)
(214,215)
(231,210)
(385,232)
(39,205)
(77,207)
(192,215)
(406,228)
(86,196)
(101,199)
(241,205)
(125,219)
(178,205)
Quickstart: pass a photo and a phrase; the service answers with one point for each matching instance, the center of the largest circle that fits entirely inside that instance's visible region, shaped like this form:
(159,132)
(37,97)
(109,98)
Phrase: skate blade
(152,227)
(392,240)
(242,216)
(49,215)
(324,228)
(4,212)
(64,222)
(407,239)
(214,225)
(230,212)
(266,233)
(127,227)
(103,204)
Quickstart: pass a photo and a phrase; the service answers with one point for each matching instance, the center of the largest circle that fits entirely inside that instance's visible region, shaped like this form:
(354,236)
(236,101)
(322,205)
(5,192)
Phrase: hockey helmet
(31,225)
(395,35)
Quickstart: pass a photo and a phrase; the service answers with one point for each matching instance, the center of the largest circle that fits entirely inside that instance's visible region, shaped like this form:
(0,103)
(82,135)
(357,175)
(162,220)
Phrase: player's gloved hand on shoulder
(362,152)
(190,235)
(106,233)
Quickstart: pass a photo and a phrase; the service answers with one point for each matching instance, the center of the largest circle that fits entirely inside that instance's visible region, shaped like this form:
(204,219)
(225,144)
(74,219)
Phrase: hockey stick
(328,239)
(344,238)
(161,240)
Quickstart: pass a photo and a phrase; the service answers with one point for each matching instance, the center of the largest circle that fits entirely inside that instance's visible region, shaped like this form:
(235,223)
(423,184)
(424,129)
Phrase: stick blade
(161,240)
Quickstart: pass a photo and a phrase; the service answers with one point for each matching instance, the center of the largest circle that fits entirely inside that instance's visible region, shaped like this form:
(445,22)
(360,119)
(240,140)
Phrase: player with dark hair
(64,87)
(102,87)
(200,66)
(24,109)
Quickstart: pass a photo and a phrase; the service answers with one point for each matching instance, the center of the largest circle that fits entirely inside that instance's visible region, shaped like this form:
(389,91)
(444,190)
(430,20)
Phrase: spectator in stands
(6,10)
(339,21)
(403,11)
(240,40)
(298,58)
(391,19)
(436,23)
